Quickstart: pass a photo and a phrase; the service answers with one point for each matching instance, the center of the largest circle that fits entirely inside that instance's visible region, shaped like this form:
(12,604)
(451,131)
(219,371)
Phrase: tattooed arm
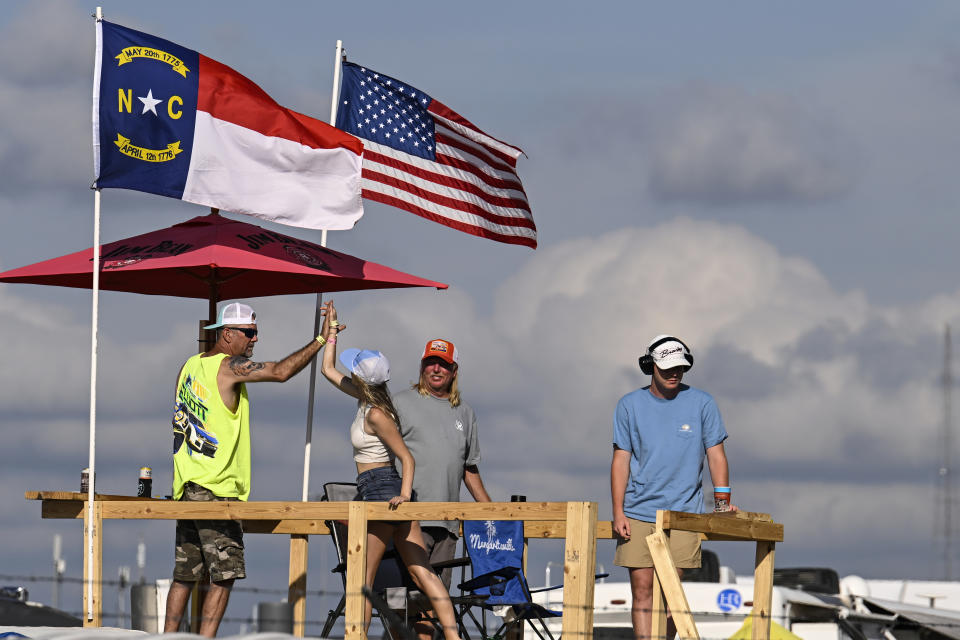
(237,369)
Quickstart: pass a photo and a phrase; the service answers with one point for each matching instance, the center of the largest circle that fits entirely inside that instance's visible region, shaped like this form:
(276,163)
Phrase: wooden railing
(735,526)
(574,522)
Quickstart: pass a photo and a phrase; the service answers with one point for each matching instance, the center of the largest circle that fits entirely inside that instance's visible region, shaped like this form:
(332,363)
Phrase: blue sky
(773,182)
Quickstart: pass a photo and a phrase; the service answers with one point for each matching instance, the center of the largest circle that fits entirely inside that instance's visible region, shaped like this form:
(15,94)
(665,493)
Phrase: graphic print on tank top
(189,417)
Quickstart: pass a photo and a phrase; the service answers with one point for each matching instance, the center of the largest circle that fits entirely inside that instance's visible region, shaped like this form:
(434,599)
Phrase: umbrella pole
(207,340)
(311,396)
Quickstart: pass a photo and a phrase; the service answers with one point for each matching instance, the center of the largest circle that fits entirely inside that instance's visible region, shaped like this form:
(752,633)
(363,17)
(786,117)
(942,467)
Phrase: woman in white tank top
(376,440)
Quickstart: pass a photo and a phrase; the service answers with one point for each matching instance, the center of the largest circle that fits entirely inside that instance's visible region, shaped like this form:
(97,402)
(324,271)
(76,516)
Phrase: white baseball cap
(371,366)
(234,313)
(669,353)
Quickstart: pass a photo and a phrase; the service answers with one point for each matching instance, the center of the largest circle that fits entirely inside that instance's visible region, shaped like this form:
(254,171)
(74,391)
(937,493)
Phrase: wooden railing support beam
(763,590)
(356,572)
(297,590)
(93,572)
(579,564)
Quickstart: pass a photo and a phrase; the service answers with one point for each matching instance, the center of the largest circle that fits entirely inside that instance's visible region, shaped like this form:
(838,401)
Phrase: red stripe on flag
(232,97)
(457,163)
(482,154)
(444,111)
(454,224)
(475,147)
(446,201)
(445,180)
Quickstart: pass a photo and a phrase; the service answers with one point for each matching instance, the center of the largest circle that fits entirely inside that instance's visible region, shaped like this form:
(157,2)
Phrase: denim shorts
(379,484)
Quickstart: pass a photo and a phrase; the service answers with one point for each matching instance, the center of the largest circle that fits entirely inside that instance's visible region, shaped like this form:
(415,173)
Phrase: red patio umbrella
(216,258)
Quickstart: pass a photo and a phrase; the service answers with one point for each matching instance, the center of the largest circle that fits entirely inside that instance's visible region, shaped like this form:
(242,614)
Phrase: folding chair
(495,548)
(392,586)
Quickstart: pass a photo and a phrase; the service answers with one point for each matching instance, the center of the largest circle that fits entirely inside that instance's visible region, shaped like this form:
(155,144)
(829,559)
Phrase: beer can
(85,480)
(721,499)
(145,484)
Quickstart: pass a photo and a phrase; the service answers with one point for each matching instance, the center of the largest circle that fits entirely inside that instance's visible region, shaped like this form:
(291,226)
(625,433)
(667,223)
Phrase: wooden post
(207,337)
(356,572)
(658,615)
(579,566)
(670,583)
(95,572)
(763,590)
(197,594)
(297,591)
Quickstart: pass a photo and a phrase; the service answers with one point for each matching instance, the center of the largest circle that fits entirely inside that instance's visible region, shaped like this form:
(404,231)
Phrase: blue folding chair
(495,548)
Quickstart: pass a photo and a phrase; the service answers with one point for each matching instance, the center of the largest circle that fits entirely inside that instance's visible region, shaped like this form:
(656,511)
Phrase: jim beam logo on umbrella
(126,254)
(306,257)
(173,108)
(119,264)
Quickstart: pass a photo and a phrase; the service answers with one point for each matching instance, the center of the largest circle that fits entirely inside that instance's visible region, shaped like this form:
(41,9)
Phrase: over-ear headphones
(646,360)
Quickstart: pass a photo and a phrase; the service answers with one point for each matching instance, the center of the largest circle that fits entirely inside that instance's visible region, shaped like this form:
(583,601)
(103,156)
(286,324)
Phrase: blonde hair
(376,395)
(424,390)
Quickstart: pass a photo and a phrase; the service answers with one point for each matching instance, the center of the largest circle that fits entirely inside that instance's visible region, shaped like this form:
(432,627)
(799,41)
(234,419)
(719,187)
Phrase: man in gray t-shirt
(441,432)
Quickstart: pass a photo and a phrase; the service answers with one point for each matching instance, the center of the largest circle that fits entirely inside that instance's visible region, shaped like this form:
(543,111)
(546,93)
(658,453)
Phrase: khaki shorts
(216,545)
(634,553)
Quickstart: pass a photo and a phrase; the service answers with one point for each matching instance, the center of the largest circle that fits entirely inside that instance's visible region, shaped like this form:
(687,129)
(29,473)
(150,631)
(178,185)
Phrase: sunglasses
(250,333)
(432,360)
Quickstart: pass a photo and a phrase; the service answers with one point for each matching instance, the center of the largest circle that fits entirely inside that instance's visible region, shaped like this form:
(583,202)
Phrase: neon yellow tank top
(211,444)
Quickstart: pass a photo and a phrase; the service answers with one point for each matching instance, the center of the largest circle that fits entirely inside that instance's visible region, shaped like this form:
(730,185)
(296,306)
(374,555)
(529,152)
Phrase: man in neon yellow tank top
(211,456)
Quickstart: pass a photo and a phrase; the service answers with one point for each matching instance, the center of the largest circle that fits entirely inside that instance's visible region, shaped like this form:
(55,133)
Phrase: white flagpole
(92,454)
(334,99)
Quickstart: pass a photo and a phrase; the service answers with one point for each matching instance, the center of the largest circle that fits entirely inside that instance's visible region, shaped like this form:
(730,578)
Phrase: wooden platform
(574,522)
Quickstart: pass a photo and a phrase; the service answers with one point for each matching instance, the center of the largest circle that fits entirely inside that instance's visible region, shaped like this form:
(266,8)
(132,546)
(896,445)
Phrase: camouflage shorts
(214,545)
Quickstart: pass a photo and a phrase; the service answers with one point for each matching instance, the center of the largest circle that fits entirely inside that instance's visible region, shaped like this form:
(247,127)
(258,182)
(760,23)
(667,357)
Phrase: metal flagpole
(334,99)
(94,321)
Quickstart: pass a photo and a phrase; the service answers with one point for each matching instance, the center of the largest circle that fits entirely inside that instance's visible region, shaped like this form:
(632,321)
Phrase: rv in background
(813,603)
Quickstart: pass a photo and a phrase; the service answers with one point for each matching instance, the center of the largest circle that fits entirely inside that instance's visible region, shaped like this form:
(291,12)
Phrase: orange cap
(441,348)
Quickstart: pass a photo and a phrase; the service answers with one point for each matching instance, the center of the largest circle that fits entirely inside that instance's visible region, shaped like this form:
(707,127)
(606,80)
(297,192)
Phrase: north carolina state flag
(170,121)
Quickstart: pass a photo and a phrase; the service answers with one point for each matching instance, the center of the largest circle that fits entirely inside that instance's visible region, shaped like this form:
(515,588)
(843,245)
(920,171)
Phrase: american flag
(422,156)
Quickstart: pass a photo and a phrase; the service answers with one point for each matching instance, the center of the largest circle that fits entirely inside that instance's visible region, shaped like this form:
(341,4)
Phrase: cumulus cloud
(45,132)
(725,147)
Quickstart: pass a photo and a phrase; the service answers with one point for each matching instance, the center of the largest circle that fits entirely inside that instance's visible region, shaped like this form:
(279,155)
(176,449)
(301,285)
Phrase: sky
(774,183)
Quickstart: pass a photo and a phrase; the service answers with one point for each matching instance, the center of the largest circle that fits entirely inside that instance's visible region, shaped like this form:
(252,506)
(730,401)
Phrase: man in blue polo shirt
(661,434)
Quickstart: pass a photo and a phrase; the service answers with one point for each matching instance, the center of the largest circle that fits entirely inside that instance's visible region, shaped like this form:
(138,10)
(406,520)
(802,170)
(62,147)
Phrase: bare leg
(409,543)
(378,533)
(177,599)
(214,606)
(641,588)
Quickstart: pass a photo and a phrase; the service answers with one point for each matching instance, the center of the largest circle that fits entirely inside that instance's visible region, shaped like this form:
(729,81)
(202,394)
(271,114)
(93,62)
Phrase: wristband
(334,323)
(332,340)
(321,340)
(721,489)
